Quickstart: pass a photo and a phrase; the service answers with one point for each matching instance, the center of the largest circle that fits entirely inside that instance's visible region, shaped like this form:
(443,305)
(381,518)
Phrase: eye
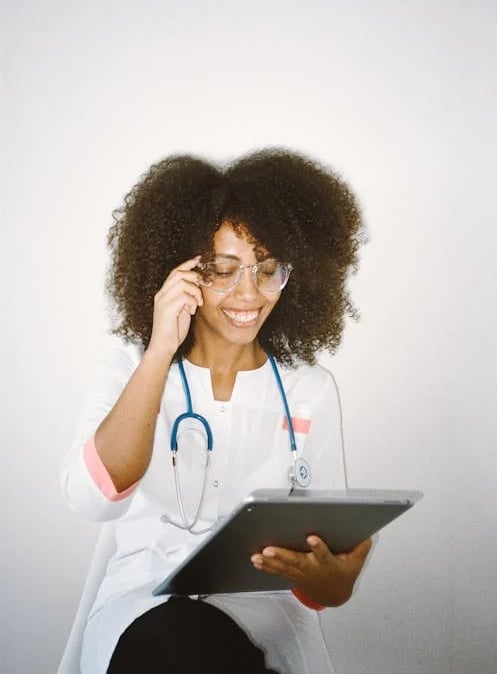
(269,267)
(219,269)
(224,270)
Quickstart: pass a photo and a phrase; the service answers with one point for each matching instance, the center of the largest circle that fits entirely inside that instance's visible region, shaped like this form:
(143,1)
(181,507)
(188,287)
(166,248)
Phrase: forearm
(124,439)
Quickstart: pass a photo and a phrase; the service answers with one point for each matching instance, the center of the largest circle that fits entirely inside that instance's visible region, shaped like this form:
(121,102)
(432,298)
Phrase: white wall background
(401,98)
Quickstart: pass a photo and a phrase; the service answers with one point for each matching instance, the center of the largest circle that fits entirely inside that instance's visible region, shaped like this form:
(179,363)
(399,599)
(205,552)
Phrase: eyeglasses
(222,276)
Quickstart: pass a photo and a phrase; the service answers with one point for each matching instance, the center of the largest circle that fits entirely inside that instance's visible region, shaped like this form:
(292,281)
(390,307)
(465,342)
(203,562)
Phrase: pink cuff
(304,599)
(100,475)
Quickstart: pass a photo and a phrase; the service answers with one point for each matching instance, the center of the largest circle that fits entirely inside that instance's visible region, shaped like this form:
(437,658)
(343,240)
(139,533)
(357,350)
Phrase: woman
(215,271)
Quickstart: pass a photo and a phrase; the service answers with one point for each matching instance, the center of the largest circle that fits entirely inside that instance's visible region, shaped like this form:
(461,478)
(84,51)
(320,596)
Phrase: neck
(228,359)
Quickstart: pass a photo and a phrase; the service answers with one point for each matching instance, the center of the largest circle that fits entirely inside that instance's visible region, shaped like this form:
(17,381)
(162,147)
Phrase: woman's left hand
(325,578)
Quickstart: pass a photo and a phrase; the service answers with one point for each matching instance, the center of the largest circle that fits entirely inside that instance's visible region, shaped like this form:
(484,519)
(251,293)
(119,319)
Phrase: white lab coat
(251,451)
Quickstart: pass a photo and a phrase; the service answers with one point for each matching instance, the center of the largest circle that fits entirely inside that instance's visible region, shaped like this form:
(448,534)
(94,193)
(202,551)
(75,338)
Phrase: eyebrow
(259,256)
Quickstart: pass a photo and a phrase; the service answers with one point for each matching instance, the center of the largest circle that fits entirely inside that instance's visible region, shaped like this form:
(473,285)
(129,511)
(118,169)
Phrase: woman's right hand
(174,305)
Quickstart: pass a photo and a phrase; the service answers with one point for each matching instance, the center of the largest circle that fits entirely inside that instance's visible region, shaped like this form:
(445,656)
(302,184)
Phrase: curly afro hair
(298,209)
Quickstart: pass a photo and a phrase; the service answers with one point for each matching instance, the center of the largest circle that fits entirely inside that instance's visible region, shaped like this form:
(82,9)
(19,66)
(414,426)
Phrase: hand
(174,305)
(325,578)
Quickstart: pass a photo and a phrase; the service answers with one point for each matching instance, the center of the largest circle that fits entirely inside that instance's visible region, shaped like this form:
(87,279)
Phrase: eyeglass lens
(223,275)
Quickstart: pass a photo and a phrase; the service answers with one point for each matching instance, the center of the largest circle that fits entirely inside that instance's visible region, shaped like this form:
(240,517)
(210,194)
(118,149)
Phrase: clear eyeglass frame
(271,282)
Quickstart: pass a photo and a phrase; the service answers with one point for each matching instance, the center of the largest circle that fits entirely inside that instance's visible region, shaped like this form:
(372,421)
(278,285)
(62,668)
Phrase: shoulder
(120,355)
(314,379)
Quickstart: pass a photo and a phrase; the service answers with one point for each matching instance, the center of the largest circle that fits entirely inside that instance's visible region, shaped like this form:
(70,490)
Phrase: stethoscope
(299,473)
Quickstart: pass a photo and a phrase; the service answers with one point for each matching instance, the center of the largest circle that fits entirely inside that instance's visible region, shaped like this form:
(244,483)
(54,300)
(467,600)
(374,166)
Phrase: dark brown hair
(298,209)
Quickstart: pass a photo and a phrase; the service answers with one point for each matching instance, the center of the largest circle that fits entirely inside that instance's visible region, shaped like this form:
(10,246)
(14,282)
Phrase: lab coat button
(215,483)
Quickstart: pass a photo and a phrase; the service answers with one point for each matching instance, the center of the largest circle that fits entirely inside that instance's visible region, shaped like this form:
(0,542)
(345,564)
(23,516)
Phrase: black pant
(186,636)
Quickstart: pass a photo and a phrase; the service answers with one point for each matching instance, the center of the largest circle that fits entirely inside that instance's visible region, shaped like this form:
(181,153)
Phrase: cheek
(211,300)
(272,302)
(211,305)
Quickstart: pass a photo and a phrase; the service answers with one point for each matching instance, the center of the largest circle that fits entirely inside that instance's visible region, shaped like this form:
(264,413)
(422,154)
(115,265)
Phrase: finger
(319,548)
(186,274)
(184,267)
(258,561)
(275,567)
(180,290)
(190,305)
(188,310)
(176,278)
(362,550)
(284,557)
(188,264)
(192,292)
(288,563)
(167,315)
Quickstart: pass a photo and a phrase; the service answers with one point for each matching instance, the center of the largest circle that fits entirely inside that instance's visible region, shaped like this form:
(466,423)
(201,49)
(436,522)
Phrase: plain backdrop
(398,96)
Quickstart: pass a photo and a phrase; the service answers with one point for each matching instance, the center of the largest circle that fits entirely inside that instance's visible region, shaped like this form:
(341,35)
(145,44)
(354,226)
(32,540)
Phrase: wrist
(160,358)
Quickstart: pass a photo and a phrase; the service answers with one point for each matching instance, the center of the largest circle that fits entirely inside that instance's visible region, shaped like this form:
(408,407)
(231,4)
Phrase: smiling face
(234,318)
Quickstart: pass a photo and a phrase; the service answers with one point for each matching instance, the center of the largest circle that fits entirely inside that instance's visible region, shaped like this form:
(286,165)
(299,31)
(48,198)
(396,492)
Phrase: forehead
(238,243)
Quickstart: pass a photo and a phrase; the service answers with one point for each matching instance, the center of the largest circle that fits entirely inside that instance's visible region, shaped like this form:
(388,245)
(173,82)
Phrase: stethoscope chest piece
(300,473)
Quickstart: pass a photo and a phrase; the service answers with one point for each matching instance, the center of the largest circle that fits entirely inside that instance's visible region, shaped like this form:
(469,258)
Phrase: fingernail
(268,552)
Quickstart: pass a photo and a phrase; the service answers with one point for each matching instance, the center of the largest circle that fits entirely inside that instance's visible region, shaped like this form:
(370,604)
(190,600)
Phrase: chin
(241,338)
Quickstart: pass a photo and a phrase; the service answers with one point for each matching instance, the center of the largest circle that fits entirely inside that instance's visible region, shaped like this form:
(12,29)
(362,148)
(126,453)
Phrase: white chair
(104,549)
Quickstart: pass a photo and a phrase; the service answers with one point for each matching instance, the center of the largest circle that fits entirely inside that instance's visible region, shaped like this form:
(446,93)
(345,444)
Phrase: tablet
(221,563)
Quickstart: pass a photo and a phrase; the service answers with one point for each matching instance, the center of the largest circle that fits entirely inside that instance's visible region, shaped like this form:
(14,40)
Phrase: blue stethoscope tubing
(189,414)
(299,475)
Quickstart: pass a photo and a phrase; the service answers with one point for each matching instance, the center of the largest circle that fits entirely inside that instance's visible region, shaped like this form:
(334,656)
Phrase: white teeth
(241,316)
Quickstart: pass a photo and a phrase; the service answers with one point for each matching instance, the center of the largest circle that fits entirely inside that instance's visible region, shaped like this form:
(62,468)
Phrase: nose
(246,287)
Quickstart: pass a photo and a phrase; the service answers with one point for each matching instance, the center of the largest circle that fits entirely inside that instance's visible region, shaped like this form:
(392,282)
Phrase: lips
(242,317)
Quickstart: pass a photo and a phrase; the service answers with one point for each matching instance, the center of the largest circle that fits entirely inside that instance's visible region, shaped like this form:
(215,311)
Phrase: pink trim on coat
(100,475)
(299,425)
